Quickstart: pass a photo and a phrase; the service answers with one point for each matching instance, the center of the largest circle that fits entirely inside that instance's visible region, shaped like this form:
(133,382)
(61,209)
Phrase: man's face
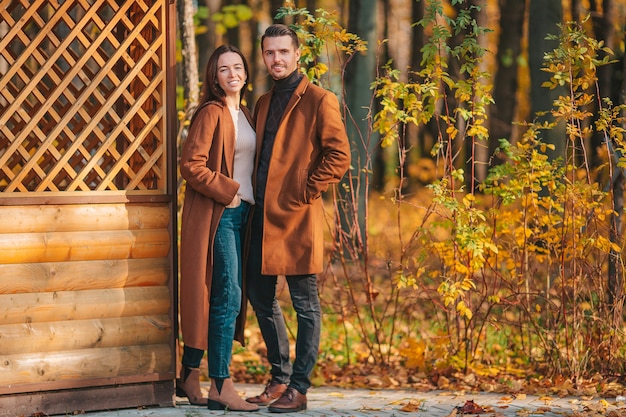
(280,56)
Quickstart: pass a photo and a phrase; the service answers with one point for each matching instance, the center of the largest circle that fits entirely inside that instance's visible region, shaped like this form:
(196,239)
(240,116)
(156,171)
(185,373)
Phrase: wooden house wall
(85,300)
(87,205)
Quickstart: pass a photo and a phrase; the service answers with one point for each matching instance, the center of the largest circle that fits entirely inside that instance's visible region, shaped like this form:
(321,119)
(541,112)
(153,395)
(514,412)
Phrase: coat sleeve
(202,156)
(334,159)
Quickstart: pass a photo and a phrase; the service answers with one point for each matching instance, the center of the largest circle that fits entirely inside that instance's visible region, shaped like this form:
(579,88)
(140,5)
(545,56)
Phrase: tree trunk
(461,148)
(615,285)
(603,30)
(233,34)
(384,161)
(480,147)
(274,6)
(420,145)
(360,73)
(208,40)
(505,81)
(575,9)
(311,5)
(190,60)
(543,20)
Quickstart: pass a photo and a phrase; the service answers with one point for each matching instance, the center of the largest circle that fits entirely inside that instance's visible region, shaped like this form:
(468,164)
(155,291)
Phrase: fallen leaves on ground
(372,376)
(470,407)
(598,395)
(412,406)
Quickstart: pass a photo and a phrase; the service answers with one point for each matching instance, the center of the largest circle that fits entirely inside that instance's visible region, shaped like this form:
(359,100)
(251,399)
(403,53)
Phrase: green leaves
(323,40)
(229,17)
(546,217)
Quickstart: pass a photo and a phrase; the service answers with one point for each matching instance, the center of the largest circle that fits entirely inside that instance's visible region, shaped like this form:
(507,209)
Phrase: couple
(276,177)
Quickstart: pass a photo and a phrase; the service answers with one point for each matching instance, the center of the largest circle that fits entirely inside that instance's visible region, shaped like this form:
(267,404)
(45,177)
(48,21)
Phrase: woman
(216,161)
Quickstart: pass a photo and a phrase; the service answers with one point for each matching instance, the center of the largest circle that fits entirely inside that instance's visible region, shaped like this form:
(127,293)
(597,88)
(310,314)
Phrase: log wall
(85,296)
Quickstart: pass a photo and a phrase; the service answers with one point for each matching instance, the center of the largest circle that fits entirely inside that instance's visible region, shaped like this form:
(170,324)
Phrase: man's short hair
(278,29)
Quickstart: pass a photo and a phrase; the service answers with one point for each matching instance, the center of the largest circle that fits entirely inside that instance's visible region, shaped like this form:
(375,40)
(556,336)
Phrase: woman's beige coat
(311,151)
(206,163)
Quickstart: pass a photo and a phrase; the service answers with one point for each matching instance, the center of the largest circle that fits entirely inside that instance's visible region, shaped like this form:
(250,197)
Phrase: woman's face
(231,74)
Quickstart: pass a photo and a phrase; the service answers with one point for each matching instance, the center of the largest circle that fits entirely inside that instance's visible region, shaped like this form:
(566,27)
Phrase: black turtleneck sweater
(283,89)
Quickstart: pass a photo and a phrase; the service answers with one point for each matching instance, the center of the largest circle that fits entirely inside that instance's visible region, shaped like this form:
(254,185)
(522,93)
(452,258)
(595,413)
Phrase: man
(303,149)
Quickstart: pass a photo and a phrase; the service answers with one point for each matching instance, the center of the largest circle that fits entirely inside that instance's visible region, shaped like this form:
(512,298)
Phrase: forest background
(477,241)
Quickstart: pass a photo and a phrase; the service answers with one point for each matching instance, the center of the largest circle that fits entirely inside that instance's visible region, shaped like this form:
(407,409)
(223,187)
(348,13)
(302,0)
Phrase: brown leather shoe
(273,391)
(289,402)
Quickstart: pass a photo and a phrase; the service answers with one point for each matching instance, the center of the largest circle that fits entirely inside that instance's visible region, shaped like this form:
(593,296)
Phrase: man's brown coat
(310,152)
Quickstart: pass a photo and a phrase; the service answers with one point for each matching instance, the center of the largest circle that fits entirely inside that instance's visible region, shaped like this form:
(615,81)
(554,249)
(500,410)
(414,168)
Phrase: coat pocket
(303,178)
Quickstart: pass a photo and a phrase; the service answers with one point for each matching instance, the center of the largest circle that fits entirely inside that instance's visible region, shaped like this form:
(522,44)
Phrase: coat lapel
(261,118)
(294,100)
(229,143)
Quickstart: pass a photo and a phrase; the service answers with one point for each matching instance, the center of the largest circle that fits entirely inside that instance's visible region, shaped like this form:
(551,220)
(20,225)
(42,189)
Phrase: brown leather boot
(189,386)
(273,391)
(225,397)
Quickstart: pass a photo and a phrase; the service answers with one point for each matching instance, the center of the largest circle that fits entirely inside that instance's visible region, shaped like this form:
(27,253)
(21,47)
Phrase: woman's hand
(235,203)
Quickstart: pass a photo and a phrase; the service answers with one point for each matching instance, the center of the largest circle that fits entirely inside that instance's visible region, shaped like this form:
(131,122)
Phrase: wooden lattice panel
(82,96)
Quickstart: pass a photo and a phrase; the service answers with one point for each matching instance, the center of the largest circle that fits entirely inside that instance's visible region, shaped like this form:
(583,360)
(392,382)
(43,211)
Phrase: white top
(245,148)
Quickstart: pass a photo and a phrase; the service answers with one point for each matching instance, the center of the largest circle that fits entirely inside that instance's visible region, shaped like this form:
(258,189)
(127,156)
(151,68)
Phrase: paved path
(330,401)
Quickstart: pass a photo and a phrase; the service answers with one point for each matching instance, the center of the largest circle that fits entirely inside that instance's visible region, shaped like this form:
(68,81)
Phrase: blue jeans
(225,300)
(261,290)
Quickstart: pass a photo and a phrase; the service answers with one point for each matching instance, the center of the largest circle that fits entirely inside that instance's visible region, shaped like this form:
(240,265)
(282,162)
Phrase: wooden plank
(83,197)
(75,218)
(89,398)
(61,276)
(82,305)
(112,362)
(84,334)
(81,246)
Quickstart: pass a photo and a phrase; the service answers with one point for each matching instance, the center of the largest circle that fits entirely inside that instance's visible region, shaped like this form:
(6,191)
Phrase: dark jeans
(261,291)
(225,298)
